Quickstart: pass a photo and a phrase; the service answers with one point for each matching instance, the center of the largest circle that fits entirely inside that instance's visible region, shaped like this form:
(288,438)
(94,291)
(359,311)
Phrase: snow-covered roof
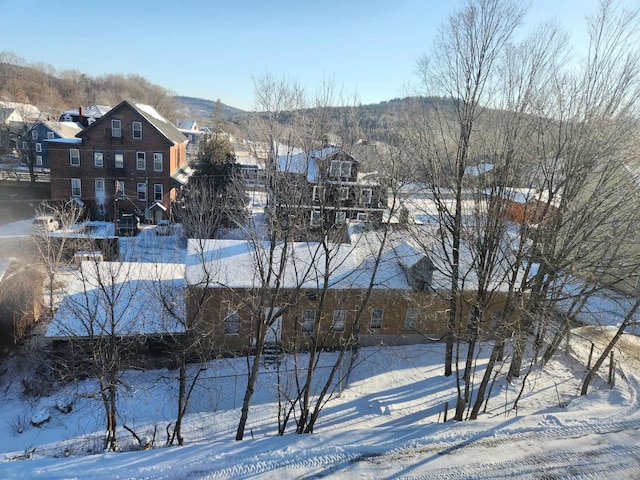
(187,125)
(147,298)
(64,129)
(305,163)
(95,111)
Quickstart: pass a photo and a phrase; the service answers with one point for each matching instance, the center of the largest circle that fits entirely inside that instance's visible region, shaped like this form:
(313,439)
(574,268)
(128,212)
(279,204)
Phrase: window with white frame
(344,193)
(25,145)
(317,193)
(141,161)
(341,218)
(142,191)
(316,217)
(74,157)
(51,135)
(39,160)
(34,134)
(410,319)
(308,320)
(118,160)
(120,188)
(99,187)
(157,162)
(376,317)
(76,187)
(137,129)
(158,192)
(98,159)
(116,128)
(362,217)
(340,169)
(38,147)
(232,322)
(365,196)
(339,319)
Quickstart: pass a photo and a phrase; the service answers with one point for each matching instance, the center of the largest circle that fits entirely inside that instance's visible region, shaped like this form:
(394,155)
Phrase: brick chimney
(80,111)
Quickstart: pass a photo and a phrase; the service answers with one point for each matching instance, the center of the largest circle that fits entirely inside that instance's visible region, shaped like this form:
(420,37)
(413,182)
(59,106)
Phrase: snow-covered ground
(386,423)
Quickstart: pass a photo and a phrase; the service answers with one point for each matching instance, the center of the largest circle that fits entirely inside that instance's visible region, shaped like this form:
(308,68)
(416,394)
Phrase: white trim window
(38,147)
(316,196)
(118,160)
(362,217)
(142,191)
(376,318)
(158,192)
(344,193)
(316,218)
(341,218)
(76,187)
(137,129)
(51,135)
(339,320)
(34,134)
(410,319)
(308,320)
(39,160)
(119,188)
(157,162)
(141,161)
(340,169)
(74,157)
(365,196)
(116,128)
(98,159)
(99,187)
(232,322)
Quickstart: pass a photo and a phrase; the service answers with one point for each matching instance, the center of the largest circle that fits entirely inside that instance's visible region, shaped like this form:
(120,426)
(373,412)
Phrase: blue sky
(213,49)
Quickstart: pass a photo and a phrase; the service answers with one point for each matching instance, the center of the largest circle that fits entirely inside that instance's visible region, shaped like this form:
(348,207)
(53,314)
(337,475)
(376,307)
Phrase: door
(274,330)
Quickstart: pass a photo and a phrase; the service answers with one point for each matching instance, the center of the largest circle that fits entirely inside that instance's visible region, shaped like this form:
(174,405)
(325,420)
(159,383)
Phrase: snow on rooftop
(151,111)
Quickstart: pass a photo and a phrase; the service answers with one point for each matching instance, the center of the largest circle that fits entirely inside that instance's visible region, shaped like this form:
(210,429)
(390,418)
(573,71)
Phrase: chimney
(80,112)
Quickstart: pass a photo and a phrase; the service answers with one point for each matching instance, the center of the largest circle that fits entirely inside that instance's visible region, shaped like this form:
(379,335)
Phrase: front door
(274,330)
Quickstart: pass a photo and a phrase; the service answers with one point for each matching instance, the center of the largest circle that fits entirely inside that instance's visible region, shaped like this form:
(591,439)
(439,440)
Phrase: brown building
(130,160)
(228,296)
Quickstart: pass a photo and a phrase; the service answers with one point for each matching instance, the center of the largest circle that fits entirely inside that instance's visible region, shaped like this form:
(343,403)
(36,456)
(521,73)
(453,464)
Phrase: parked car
(45,223)
(128,225)
(164,227)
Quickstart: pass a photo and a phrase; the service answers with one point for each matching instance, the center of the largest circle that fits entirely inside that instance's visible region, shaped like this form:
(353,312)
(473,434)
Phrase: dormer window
(340,169)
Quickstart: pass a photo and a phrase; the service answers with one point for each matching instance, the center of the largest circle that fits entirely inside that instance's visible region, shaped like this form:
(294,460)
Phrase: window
(158,192)
(232,322)
(34,134)
(98,159)
(317,193)
(39,160)
(137,129)
(120,188)
(339,317)
(340,169)
(76,187)
(116,128)
(157,162)
(410,319)
(141,161)
(50,135)
(142,192)
(341,218)
(99,187)
(344,193)
(376,317)
(25,145)
(38,147)
(365,196)
(316,217)
(74,157)
(118,160)
(308,320)
(362,217)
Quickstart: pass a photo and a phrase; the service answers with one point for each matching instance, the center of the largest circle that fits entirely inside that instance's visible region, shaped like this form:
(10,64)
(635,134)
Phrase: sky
(213,50)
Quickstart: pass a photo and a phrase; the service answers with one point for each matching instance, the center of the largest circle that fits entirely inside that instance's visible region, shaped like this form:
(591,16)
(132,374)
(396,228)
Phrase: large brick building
(128,161)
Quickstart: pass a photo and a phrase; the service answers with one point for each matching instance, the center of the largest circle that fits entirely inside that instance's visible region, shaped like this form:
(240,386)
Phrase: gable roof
(166,129)
(64,129)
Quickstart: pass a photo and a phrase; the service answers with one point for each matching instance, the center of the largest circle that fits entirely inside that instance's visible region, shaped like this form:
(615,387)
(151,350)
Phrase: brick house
(325,188)
(130,160)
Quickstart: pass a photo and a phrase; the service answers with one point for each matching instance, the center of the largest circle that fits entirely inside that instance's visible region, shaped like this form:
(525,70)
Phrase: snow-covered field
(386,423)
